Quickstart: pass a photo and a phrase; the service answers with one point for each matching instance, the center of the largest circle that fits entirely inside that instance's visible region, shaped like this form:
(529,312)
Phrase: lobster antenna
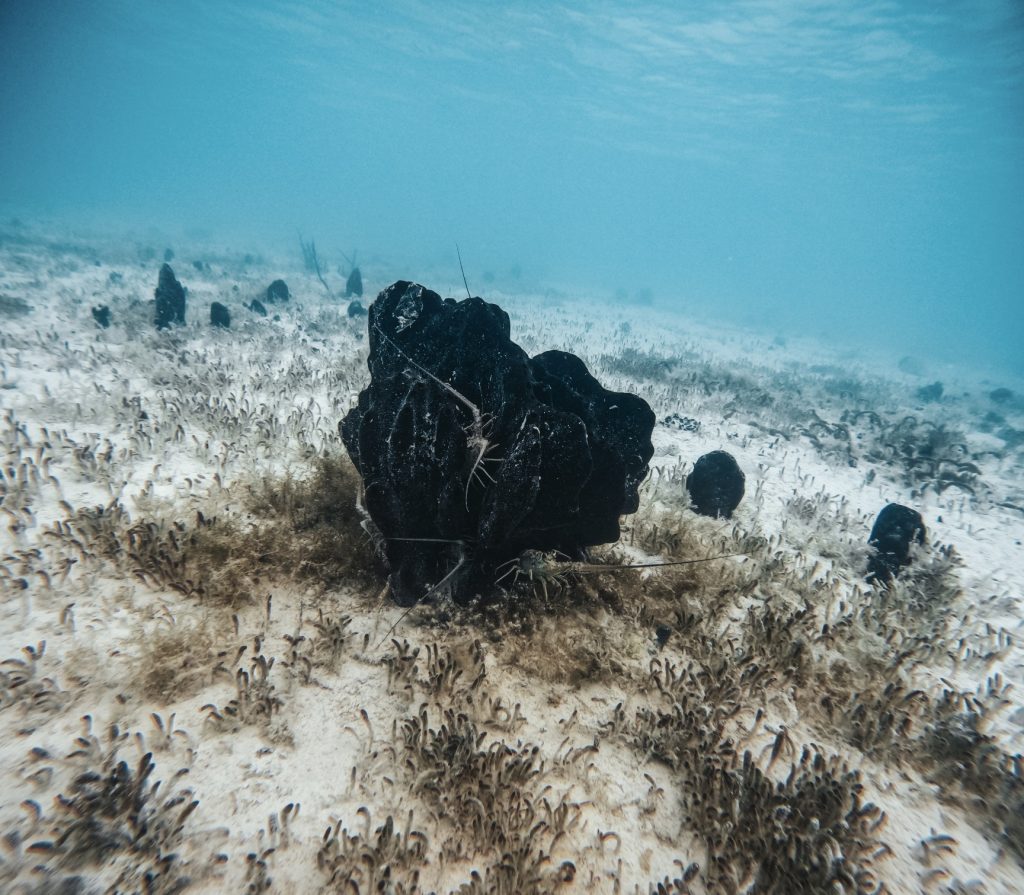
(677,562)
(457,252)
(432,590)
(459,397)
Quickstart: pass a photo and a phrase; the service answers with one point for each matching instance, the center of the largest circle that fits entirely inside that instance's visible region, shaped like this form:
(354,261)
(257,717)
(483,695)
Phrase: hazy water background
(852,169)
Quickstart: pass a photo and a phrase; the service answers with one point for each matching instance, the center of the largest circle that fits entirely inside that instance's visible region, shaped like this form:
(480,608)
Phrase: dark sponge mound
(220,315)
(895,529)
(716,484)
(170,299)
(471,451)
(278,291)
(354,283)
(101,315)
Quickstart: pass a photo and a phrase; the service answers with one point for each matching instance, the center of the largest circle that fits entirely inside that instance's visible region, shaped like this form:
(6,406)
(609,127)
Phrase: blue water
(851,170)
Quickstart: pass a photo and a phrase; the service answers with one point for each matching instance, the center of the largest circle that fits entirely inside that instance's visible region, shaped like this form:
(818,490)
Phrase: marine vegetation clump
(275,837)
(448,675)
(305,528)
(491,803)
(811,831)
(861,676)
(739,391)
(158,554)
(311,262)
(23,684)
(1002,395)
(960,754)
(865,653)
(256,701)
(388,859)
(827,526)
(312,526)
(926,454)
(176,662)
(643,366)
(808,833)
(583,623)
(838,383)
(112,824)
(926,589)
(332,640)
(495,808)
(831,439)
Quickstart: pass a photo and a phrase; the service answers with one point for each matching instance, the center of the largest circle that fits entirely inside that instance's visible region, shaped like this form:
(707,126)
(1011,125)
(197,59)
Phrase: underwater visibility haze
(847,170)
(679,557)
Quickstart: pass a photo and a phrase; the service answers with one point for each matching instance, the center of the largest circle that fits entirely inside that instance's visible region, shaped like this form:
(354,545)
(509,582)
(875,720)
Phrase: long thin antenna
(477,418)
(457,252)
(677,562)
(432,590)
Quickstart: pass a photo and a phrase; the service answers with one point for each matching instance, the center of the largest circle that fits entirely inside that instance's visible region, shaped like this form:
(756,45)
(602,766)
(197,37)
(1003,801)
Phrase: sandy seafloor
(588,757)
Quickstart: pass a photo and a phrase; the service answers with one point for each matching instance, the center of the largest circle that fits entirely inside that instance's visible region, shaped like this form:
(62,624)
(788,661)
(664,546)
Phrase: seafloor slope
(186,597)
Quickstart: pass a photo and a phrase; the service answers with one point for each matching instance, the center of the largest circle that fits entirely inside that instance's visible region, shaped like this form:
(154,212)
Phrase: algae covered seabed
(187,598)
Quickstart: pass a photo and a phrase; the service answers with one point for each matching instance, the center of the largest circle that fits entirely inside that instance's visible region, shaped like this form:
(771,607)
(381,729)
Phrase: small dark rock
(101,315)
(354,284)
(716,484)
(198,265)
(356,309)
(257,307)
(168,255)
(930,393)
(170,299)
(220,315)
(115,277)
(895,529)
(278,291)
(1000,395)
(662,634)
